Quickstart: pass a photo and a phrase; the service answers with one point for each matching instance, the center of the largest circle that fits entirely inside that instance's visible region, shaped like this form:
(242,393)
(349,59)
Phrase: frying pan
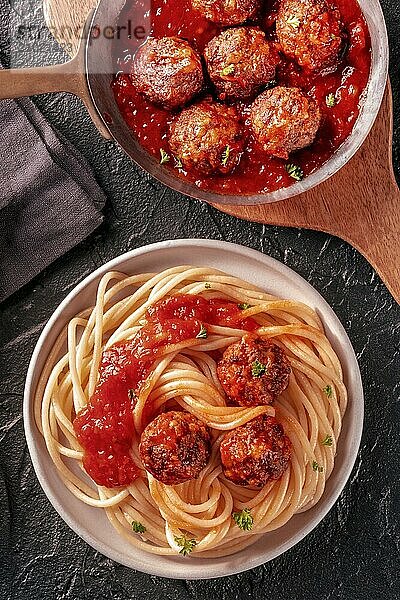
(89,75)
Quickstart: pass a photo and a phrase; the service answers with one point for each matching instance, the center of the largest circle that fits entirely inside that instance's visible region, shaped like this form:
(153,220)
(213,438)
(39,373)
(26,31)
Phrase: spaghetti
(179,372)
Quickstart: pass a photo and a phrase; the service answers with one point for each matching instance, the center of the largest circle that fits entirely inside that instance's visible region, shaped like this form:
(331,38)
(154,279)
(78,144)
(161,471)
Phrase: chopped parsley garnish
(185,544)
(243,519)
(228,70)
(327,441)
(202,333)
(271,84)
(330,100)
(295,171)
(257,368)
(178,163)
(293,21)
(316,467)
(244,306)
(225,156)
(207,286)
(164,156)
(328,391)
(138,527)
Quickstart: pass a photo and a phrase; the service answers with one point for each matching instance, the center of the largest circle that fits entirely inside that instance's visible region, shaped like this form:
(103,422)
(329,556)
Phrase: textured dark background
(354,553)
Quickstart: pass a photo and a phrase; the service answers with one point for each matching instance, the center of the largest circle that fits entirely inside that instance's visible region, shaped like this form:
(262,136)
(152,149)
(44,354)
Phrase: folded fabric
(49,198)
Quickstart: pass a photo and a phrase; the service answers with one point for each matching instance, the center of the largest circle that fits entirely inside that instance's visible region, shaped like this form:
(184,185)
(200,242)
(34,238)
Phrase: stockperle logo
(35,41)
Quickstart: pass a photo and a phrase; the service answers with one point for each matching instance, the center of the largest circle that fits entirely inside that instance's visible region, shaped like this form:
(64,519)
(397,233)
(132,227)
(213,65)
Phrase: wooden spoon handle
(360,204)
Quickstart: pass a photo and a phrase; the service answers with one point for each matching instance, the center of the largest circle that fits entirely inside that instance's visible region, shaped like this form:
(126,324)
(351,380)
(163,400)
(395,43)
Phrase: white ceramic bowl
(91,524)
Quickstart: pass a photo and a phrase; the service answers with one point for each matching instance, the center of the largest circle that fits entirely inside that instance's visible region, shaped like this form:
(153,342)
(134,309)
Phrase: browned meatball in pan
(311,32)
(175,447)
(207,138)
(253,371)
(256,452)
(227,12)
(284,120)
(240,61)
(167,71)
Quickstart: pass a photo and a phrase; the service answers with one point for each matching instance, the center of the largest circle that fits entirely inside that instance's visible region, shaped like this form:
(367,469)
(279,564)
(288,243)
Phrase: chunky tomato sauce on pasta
(105,426)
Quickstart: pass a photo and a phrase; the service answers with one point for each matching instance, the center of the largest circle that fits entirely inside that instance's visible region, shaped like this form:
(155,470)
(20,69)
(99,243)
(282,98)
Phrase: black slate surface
(354,553)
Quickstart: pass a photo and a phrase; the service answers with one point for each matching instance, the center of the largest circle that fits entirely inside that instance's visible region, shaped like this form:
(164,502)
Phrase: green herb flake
(244,306)
(293,21)
(295,171)
(327,441)
(225,156)
(202,335)
(228,70)
(328,391)
(178,163)
(271,84)
(243,519)
(185,544)
(330,100)
(132,395)
(164,157)
(258,369)
(138,527)
(207,286)
(316,467)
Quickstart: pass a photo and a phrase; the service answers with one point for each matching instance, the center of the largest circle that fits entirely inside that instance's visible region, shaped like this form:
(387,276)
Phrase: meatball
(311,32)
(284,120)
(207,137)
(240,61)
(175,447)
(227,12)
(256,452)
(167,71)
(253,371)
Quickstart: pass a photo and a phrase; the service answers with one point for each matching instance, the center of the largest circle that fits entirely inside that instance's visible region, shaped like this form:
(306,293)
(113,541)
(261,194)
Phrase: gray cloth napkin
(49,199)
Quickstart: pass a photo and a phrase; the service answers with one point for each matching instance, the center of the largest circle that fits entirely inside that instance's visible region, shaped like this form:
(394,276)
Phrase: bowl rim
(325,503)
(370,102)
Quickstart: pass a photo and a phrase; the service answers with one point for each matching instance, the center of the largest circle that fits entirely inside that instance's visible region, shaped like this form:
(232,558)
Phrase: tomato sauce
(257,172)
(104,427)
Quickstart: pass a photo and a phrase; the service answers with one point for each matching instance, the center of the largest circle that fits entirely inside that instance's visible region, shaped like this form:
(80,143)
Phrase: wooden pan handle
(359,204)
(67,77)
(17,83)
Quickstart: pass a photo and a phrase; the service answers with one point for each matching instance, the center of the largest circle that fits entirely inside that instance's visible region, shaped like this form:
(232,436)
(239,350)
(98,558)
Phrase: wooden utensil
(360,203)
